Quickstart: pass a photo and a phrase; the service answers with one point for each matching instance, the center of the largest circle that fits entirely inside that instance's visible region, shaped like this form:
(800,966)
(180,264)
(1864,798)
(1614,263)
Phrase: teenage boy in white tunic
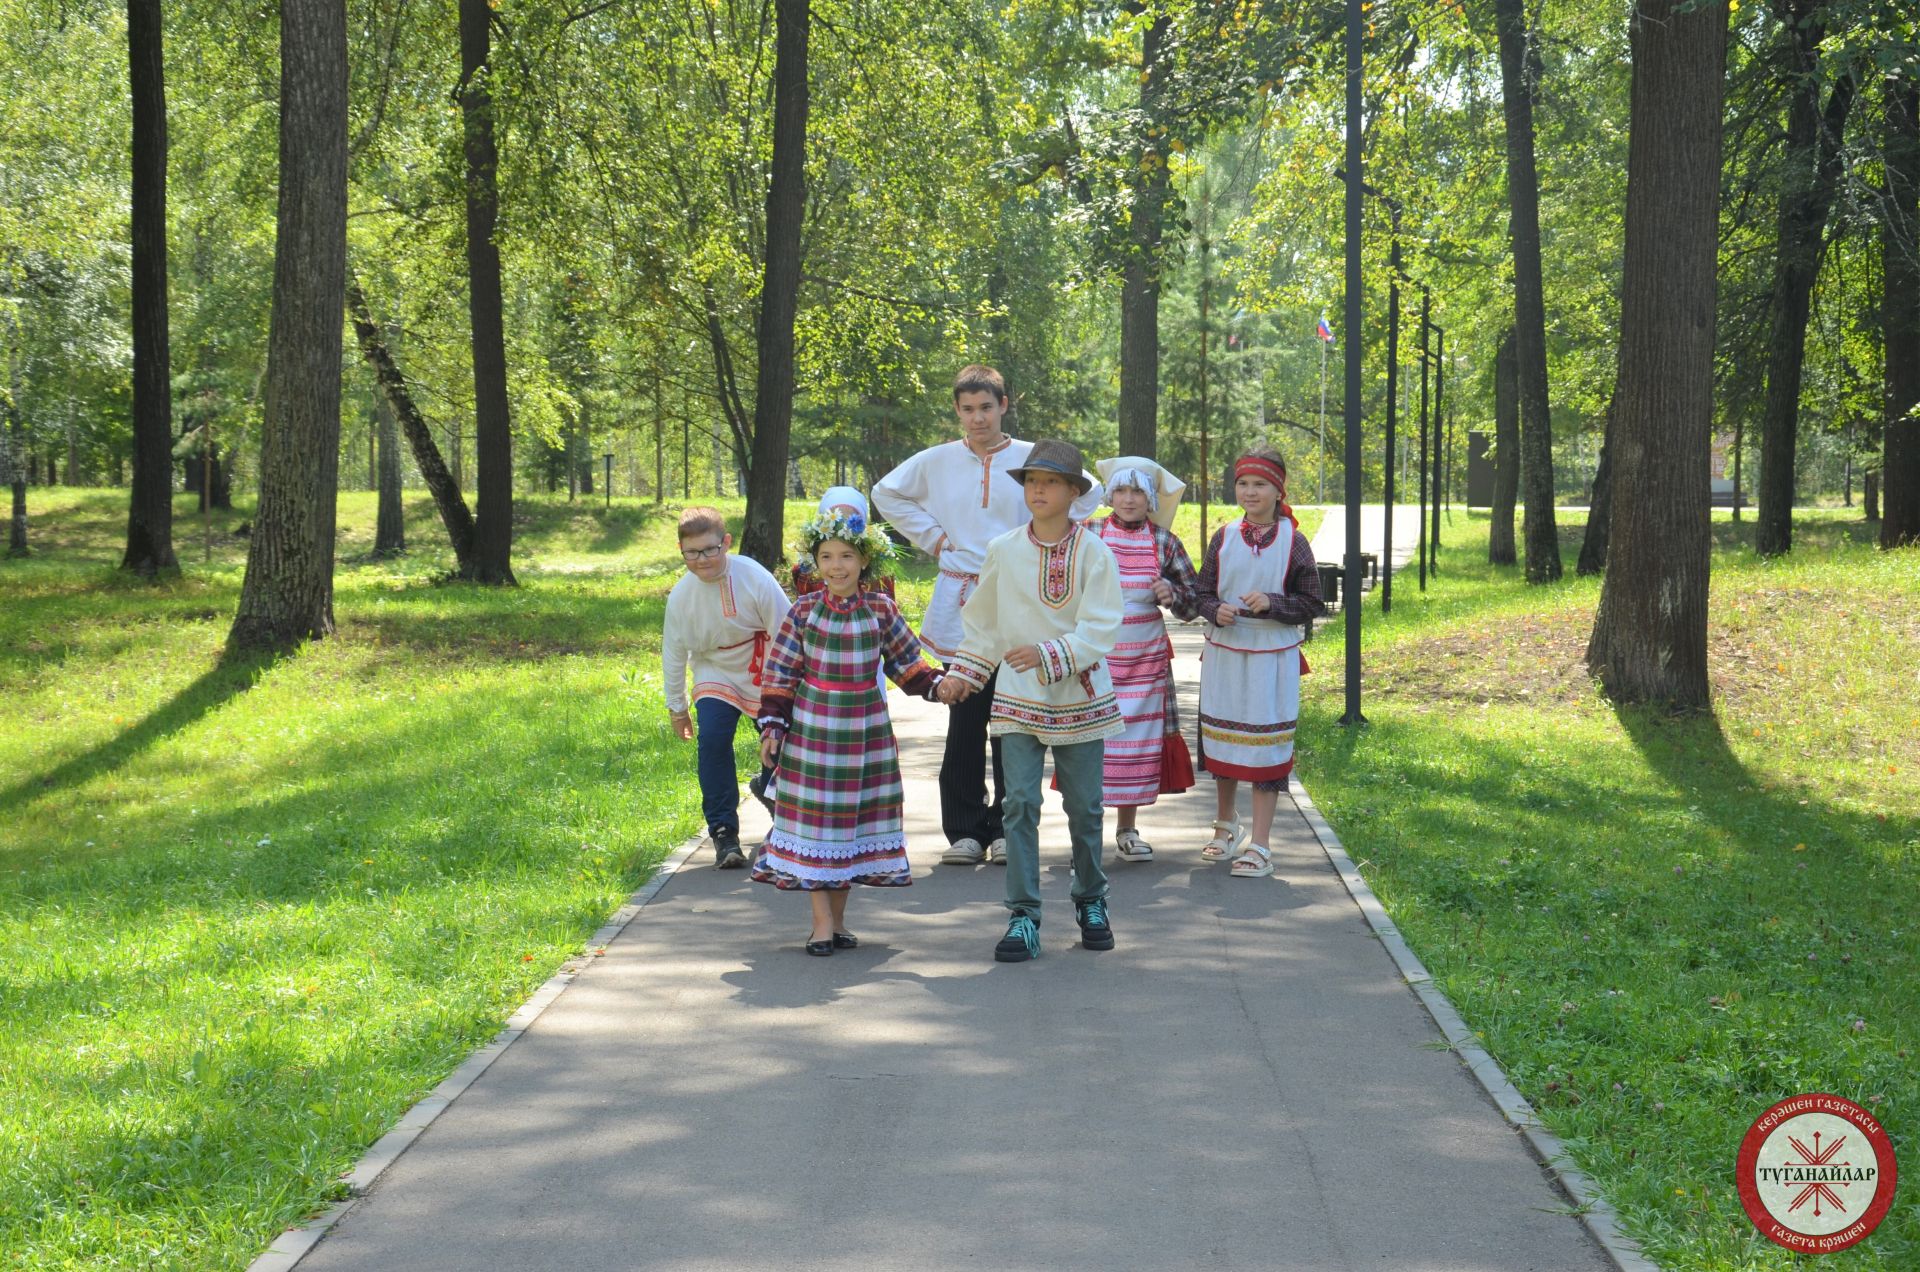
(720,617)
(951,501)
(1046,616)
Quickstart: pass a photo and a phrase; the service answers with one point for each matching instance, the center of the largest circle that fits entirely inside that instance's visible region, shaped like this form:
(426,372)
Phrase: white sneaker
(963,852)
(997,853)
(1131,847)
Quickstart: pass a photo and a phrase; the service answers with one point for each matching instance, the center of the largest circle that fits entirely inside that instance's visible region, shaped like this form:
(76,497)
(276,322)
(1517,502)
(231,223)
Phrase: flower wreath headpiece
(870,540)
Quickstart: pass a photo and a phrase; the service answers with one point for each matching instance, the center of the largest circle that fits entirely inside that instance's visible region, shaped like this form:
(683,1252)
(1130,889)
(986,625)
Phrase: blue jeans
(715,724)
(1079,767)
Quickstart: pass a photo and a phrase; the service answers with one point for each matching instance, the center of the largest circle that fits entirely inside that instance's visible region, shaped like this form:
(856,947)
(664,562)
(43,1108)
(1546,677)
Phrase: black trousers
(964,810)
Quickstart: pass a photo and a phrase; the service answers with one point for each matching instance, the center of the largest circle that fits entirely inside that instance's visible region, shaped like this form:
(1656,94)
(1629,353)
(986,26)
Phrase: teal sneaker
(1096,932)
(1021,942)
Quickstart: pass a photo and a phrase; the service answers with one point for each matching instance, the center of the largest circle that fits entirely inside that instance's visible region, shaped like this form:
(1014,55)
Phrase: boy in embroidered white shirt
(1046,616)
(720,616)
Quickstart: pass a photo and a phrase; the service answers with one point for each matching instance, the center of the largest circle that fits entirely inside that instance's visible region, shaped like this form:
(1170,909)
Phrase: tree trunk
(287,595)
(1593,543)
(441,484)
(150,507)
(218,479)
(1520,81)
(1870,494)
(1506,451)
(1900,318)
(13,437)
(17,481)
(1812,171)
(1140,280)
(583,446)
(780,292)
(390,528)
(492,557)
(1650,635)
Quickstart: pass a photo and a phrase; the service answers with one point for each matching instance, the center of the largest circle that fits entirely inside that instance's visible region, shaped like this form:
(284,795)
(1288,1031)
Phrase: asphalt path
(1244,1082)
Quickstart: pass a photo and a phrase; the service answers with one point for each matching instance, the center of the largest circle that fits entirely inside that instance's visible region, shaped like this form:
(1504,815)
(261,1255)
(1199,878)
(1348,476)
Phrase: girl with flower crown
(837,817)
(1259,593)
(842,501)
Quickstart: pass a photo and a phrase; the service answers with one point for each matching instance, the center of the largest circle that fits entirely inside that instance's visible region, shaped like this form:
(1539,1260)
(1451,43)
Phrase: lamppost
(1395,274)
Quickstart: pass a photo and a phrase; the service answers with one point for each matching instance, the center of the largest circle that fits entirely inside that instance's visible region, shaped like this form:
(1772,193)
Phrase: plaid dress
(837,796)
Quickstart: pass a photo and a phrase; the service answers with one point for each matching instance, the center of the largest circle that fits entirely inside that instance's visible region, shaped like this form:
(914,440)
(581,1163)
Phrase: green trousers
(1079,768)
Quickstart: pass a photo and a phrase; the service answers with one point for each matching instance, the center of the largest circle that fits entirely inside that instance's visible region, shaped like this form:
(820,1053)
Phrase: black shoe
(1021,942)
(820,949)
(727,854)
(1096,933)
(757,786)
(845,941)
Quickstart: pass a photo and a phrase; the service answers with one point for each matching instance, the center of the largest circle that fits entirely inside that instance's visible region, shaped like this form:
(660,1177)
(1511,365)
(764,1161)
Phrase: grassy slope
(1660,926)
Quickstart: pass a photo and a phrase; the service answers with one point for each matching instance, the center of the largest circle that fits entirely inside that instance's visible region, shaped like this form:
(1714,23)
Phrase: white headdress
(1162,489)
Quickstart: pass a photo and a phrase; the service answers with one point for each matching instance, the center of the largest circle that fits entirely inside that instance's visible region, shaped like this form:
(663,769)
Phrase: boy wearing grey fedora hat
(1045,619)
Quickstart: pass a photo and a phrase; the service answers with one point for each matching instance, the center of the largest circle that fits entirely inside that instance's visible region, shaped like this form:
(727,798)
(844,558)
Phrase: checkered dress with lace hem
(837,794)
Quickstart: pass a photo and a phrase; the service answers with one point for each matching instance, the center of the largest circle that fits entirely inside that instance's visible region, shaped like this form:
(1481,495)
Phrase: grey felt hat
(1060,458)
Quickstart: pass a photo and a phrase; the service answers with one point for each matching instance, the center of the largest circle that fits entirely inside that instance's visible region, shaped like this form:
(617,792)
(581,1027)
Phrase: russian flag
(1323,330)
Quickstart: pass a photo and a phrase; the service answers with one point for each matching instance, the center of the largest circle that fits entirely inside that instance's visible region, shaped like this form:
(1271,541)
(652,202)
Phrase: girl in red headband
(1259,592)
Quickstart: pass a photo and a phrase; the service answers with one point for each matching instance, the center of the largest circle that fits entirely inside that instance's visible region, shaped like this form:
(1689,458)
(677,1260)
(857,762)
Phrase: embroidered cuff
(971,668)
(1056,661)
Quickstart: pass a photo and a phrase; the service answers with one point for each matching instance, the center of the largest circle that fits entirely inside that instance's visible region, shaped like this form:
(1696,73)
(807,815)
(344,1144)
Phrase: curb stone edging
(1592,1210)
(294,1244)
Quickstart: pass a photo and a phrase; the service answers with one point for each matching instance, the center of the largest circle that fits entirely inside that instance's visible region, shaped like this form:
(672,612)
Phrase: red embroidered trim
(1056,566)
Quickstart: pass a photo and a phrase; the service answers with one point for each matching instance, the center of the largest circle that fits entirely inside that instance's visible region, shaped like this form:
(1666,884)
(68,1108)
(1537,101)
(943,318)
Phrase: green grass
(253,908)
(1659,926)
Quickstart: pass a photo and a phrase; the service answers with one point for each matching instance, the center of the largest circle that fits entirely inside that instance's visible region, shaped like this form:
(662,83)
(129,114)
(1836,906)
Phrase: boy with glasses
(720,616)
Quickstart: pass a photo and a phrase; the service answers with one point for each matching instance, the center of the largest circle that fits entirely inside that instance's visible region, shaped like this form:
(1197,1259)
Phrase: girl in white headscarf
(1151,757)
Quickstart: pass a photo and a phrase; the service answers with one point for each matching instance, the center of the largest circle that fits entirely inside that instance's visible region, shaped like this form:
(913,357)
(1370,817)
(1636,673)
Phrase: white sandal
(1227,838)
(1128,844)
(1254,862)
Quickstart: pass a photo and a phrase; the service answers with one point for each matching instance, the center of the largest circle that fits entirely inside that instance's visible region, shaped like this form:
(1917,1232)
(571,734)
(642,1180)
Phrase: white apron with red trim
(1250,672)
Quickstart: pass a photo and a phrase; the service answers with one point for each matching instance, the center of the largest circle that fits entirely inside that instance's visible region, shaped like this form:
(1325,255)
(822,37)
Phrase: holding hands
(952,689)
